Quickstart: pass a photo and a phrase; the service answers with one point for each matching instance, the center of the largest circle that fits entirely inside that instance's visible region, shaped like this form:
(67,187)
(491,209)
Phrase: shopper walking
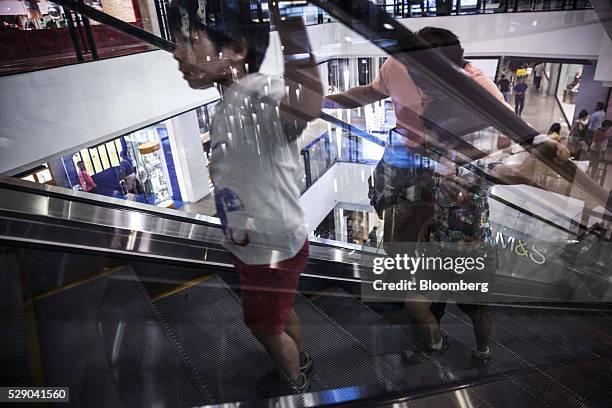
(520,89)
(596,118)
(538,72)
(504,86)
(578,136)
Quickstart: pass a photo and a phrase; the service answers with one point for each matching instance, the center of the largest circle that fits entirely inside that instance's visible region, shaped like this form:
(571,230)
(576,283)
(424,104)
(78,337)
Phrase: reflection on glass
(95,159)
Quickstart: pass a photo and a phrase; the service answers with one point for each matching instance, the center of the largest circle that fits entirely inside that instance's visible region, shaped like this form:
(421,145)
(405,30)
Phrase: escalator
(129,307)
(124,325)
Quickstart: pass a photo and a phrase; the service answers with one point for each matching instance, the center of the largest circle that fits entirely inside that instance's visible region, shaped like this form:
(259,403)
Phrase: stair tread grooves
(197,322)
(502,361)
(144,362)
(362,367)
(202,315)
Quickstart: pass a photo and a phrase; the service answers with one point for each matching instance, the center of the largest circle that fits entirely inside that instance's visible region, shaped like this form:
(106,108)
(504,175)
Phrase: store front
(146,153)
(142,166)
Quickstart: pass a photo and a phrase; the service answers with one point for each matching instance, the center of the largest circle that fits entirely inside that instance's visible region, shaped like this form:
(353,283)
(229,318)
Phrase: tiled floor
(205,206)
(541,111)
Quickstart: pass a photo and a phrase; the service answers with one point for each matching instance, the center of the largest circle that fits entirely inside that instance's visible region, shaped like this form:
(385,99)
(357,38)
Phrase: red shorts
(268,291)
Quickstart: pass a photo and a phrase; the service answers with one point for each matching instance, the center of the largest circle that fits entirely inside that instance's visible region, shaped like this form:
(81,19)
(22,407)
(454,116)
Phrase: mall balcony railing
(63,36)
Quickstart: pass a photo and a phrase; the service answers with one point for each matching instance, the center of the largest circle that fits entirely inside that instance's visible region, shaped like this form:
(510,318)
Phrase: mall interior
(115,280)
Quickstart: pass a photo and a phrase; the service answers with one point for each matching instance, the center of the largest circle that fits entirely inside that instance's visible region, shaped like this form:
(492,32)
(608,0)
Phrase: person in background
(372,238)
(554,132)
(254,156)
(504,86)
(520,89)
(85,179)
(596,119)
(128,175)
(600,143)
(538,72)
(577,140)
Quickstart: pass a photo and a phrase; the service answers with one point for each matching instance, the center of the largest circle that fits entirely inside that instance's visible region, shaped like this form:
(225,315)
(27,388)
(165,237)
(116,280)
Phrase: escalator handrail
(46,190)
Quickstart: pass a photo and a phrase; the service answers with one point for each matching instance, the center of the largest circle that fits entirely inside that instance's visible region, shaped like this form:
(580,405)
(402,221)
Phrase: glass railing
(445,170)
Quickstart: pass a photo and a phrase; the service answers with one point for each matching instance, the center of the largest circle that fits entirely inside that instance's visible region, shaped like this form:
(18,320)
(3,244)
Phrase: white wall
(604,64)
(56,111)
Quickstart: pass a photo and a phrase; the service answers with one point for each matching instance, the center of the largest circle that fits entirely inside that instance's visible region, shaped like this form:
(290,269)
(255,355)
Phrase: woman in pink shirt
(85,179)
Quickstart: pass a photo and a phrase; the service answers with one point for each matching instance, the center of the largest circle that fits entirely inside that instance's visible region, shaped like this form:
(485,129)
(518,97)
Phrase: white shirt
(595,120)
(255,170)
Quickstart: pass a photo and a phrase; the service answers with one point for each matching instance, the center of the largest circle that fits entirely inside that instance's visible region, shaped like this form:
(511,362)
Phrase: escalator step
(340,359)
(594,329)
(511,352)
(207,320)
(13,357)
(104,339)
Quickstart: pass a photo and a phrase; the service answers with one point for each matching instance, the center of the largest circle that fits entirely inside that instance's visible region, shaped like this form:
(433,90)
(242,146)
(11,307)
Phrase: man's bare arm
(354,97)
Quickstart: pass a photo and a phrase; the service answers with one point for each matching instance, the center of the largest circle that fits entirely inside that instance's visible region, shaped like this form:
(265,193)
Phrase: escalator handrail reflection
(46,190)
(395,39)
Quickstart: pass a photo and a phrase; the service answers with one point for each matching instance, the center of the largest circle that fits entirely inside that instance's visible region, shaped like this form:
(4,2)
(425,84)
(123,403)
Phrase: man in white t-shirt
(254,162)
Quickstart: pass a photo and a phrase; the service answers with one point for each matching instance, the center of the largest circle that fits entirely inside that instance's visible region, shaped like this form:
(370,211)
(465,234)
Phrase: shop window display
(154,177)
(145,149)
(99,158)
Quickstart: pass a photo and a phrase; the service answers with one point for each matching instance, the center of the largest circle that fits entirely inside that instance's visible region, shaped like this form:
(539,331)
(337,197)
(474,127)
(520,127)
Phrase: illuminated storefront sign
(520,248)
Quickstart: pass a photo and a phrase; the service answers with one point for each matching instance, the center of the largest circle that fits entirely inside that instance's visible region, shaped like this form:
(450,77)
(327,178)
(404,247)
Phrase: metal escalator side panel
(14,369)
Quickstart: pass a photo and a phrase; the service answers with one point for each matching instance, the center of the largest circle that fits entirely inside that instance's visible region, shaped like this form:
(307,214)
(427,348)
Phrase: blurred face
(201,63)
